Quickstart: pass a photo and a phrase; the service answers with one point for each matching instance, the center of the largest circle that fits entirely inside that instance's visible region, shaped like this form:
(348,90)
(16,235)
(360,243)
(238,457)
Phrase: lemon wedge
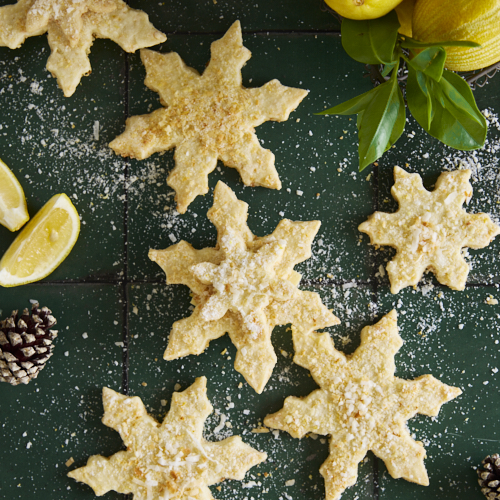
(13,210)
(43,244)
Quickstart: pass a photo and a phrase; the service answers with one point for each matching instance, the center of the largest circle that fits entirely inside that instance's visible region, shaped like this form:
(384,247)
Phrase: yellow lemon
(43,244)
(13,210)
(405,12)
(362,9)
(476,21)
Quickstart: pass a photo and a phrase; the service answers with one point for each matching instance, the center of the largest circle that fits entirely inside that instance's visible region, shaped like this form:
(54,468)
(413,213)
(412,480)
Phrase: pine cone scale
(15,339)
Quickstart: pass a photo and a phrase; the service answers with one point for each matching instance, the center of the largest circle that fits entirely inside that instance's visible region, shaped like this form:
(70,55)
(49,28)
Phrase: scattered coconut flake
(222,422)
(352,284)
(250,484)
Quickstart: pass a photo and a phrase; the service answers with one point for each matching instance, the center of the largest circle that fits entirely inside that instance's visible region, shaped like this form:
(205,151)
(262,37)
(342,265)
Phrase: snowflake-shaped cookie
(71,27)
(207,118)
(167,461)
(362,405)
(429,229)
(245,286)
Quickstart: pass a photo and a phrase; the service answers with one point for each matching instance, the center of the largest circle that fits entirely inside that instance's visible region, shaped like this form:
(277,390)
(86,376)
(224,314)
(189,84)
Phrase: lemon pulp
(13,210)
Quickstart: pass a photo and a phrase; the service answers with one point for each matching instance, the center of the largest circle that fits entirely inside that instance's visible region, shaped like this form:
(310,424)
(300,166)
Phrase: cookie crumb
(491,301)
(260,430)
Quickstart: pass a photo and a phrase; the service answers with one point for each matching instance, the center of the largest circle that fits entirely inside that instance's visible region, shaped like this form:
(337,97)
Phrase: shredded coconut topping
(244,282)
(244,287)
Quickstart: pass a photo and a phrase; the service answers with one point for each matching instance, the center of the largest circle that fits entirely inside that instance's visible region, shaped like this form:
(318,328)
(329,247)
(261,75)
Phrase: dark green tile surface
(48,141)
(458,342)
(153,310)
(58,415)
(108,288)
(428,157)
(308,155)
(203,16)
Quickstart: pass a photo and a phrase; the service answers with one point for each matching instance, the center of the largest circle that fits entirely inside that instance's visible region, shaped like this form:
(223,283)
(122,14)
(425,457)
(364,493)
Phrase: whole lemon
(405,13)
(362,9)
(472,20)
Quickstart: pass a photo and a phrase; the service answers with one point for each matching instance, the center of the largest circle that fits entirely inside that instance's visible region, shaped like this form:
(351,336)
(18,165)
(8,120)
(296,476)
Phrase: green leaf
(454,118)
(418,98)
(410,43)
(371,41)
(456,88)
(469,128)
(399,124)
(352,106)
(388,68)
(380,124)
(430,62)
(359,118)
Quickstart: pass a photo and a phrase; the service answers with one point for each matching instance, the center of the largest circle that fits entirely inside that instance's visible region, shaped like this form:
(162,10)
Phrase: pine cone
(489,476)
(25,344)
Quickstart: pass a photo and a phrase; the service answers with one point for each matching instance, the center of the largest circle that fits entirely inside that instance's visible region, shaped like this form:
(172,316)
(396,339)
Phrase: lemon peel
(446,20)
(362,9)
(405,13)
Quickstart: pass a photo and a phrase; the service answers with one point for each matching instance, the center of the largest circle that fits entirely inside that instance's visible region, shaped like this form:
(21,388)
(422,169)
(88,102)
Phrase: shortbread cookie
(244,286)
(71,27)
(207,118)
(362,406)
(170,460)
(429,229)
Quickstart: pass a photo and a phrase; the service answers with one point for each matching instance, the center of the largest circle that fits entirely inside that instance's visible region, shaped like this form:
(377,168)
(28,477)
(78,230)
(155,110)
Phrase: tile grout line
(304,283)
(125,331)
(285,32)
(375,285)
